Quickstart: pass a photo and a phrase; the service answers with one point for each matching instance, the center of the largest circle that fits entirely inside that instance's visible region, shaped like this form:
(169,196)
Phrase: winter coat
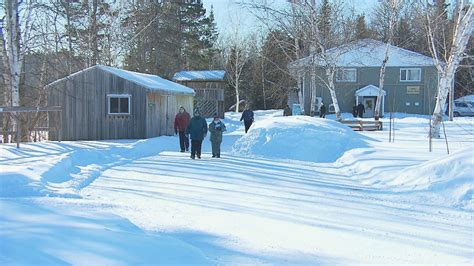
(247,116)
(216,130)
(181,121)
(360,108)
(197,128)
(322,109)
(287,111)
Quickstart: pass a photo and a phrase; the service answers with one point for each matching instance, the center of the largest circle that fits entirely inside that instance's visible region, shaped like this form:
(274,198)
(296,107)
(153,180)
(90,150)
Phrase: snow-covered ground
(294,190)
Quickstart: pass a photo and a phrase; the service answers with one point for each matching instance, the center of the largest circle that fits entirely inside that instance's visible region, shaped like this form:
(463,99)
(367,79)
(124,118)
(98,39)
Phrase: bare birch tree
(235,56)
(393,6)
(463,28)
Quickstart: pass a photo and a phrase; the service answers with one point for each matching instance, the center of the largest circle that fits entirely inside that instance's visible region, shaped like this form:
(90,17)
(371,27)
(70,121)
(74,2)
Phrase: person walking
(180,123)
(247,117)
(360,110)
(197,130)
(287,111)
(354,110)
(216,128)
(322,110)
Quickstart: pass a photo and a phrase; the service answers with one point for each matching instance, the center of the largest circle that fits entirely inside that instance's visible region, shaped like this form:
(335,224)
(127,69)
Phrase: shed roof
(368,53)
(200,75)
(151,82)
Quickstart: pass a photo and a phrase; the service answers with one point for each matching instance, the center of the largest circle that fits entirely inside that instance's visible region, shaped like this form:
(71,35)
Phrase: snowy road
(262,210)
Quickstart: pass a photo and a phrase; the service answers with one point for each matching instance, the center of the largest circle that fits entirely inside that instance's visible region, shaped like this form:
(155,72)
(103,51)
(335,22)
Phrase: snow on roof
(369,90)
(199,75)
(151,82)
(369,53)
(467,98)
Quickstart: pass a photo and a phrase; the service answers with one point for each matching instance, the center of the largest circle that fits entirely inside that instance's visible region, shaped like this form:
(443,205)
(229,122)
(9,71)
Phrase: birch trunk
(313,108)
(378,102)
(7,92)
(391,25)
(462,32)
(12,46)
(301,95)
(13,49)
(330,71)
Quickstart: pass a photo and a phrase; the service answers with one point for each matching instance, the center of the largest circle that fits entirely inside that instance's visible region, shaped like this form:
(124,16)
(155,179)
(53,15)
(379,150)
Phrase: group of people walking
(196,129)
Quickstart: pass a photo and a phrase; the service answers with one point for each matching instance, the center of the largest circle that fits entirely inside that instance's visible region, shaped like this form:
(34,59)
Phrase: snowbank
(298,138)
(64,168)
(451,178)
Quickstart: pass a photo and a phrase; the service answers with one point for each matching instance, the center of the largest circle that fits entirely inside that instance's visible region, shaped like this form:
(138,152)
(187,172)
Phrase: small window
(410,74)
(119,104)
(346,75)
(460,104)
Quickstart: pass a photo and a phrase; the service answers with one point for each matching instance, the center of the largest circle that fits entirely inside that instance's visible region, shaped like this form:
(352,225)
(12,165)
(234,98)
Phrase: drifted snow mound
(298,138)
(451,178)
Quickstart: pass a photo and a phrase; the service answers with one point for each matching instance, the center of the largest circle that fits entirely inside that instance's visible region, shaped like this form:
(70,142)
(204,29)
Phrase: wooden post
(60,126)
(430,137)
(446,138)
(390,129)
(18,131)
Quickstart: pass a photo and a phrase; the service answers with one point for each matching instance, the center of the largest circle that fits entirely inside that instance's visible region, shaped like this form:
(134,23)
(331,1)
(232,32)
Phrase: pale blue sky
(228,12)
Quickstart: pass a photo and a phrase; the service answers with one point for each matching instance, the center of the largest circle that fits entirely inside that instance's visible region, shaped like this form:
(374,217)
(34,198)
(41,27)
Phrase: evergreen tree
(361,28)
(324,22)
(169,36)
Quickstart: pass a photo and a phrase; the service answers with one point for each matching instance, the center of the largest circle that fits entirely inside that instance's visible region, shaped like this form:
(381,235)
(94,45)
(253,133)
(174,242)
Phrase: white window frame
(128,96)
(406,69)
(344,70)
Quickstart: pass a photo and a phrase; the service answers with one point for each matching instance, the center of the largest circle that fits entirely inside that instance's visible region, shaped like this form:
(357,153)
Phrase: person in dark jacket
(216,128)
(247,117)
(180,123)
(197,129)
(360,110)
(322,110)
(287,111)
(354,110)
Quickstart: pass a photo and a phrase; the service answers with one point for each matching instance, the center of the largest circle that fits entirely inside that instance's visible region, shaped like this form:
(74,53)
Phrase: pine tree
(324,23)
(361,28)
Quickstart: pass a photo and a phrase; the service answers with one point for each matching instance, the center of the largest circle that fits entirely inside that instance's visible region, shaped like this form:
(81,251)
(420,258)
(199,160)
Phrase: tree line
(44,40)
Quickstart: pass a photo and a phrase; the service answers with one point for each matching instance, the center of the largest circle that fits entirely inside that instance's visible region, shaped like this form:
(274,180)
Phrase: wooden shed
(103,102)
(209,87)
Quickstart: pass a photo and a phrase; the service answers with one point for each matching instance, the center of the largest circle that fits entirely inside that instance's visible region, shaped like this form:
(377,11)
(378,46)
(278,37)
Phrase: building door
(369,103)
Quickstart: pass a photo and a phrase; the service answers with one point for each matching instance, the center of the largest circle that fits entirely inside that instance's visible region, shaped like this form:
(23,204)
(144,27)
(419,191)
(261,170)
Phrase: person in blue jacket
(247,117)
(197,130)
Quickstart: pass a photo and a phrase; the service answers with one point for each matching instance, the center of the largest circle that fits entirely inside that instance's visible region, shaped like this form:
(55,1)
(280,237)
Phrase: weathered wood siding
(85,107)
(162,110)
(209,96)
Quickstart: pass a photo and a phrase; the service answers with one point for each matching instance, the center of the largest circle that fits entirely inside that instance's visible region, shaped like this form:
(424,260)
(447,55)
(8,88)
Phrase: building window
(346,75)
(410,74)
(119,104)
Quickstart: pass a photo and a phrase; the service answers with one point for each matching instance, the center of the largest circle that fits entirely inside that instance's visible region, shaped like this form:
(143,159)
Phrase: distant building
(103,102)
(209,87)
(410,84)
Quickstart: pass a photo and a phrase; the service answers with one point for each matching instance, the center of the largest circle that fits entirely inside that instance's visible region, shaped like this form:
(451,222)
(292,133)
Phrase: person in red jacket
(181,122)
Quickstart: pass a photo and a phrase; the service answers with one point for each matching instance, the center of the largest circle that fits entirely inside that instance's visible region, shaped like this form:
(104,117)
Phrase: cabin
(209,87)
(410,83)
(103,102)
